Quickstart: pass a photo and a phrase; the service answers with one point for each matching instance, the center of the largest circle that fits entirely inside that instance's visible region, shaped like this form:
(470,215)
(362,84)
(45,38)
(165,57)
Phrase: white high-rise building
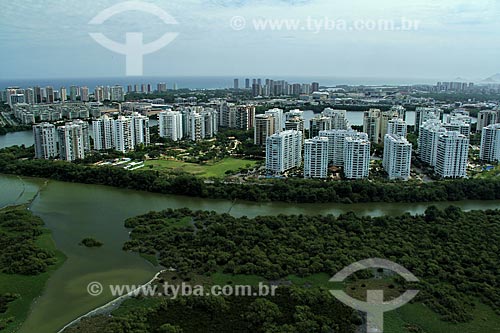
(316,158)
(490,143)
(486,118)
(356,158)
(85,132)
(336,142)
(428,141)
(397,127)
(170,123)
(71,142)
(452,156)
(210,123)
(338,118)
(397,157)
(44,135)
(278,119)
(422,115)
(457,125)
(283,152)
(102,130)
(141,130)
(123,135)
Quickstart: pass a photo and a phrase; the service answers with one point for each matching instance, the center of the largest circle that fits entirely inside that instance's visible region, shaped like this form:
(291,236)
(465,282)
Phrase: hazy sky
(50,39)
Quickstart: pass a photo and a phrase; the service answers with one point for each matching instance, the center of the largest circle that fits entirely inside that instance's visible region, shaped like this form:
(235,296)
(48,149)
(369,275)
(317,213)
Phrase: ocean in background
(202,82)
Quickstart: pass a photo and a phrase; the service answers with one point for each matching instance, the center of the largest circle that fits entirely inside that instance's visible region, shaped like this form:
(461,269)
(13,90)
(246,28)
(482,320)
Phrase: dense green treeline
(19,230)
(27,258)
(291,310)
(10,129)
(15,161)
(453,253)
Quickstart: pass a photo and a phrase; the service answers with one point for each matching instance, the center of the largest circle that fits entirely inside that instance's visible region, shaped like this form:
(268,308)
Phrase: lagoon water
(76,211)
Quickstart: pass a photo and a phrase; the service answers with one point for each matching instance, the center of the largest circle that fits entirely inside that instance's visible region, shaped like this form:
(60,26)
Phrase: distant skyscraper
(356,158)
(170,123)
(44,135)
(29,96)
(247,83)
(371,124)
(315,86)
(397,157)
(490,143)
(486,118)
(236,84)
(452,155)
(64,94)
(283,152)
(316,158)
(84,91)
(162,87)
(38,95)
(117,94)
(73,93)
(50,95)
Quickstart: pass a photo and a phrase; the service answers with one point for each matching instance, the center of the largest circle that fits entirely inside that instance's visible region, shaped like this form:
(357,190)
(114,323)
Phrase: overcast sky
(50,39)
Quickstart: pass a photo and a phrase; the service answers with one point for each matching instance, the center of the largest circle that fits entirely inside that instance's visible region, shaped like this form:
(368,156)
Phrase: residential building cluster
(48,95)
(194,123)
(28,114)
(333,143)
(72,141)
(270,88)
(445,150)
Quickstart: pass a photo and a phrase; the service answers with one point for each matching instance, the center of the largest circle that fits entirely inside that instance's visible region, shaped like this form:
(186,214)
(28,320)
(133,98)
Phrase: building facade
(316,158)
(283,152)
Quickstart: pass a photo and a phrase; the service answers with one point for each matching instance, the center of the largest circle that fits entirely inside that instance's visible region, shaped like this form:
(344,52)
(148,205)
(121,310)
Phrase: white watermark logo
(134,48)
(323,24)
(183,289)
(374,307)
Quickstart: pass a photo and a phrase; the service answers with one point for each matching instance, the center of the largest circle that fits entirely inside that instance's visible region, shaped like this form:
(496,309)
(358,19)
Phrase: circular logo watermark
(374,307)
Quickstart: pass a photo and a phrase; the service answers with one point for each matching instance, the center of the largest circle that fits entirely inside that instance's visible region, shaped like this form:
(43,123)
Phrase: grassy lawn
(211,169)
(28,287)
(418,315)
